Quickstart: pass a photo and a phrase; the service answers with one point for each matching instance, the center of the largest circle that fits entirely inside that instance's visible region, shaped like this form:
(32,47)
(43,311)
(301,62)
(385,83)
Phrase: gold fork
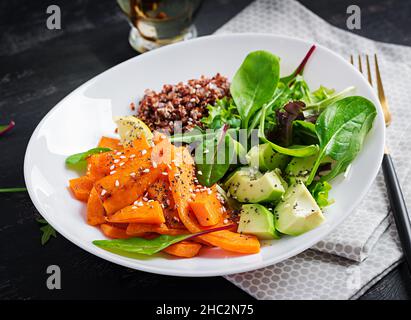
(398,206)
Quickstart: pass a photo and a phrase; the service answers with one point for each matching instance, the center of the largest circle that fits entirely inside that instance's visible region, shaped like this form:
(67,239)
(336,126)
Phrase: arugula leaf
(6,190)
(79,158)
(320,193)
(295,150)
(341,130)
(47,231)
(213,158)
(254,83)
(222,112)
(150,246)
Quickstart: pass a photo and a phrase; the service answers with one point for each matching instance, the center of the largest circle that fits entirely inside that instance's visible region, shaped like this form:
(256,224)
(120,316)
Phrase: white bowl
(80,119)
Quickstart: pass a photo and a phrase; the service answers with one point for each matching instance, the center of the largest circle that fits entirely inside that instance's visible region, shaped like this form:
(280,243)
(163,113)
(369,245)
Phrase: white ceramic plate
(79,120)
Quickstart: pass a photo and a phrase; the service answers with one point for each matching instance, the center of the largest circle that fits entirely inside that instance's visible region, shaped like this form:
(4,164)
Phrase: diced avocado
(257,220)
(297,212)
(265,158)
(250,185)
(299,168)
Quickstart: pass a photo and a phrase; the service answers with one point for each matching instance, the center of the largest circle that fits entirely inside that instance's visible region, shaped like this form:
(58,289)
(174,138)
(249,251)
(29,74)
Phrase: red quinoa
(181,102)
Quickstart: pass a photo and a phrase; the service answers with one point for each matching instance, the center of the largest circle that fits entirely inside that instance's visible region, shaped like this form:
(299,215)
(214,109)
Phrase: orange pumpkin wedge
(112,143)
(147,212)
(81,187)
(95,210)
(135,229)
(184,249)
(114,232)
(207,208)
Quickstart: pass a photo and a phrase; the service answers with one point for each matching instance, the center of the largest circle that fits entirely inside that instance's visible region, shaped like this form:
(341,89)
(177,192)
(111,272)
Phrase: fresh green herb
(295,150)
(6,190)
(47,231)
(197,134)
(254,83)
(80,158)
(341,130)
(213,158)
(222,112)
(150,246)
(320,193)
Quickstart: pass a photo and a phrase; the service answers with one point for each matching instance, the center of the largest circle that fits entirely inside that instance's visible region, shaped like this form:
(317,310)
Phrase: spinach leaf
(197,134)
(305,131)
(213,158)
(295,150)
(150,246)
(7,190)
(254,83)
(78,158)
(320,194)
(47,231)
(341,130)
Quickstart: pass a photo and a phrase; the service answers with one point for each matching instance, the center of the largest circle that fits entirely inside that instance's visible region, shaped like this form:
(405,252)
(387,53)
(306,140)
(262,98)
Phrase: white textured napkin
(365,246)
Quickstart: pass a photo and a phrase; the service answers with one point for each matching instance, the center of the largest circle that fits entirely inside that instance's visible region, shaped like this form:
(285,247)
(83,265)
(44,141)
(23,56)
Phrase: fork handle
(398,206)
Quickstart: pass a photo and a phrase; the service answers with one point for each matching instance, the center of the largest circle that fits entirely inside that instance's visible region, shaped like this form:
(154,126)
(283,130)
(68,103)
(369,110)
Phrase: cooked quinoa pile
(184,102)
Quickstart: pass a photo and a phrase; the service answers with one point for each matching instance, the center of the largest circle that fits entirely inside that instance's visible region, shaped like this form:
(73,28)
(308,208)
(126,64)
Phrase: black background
(38,67)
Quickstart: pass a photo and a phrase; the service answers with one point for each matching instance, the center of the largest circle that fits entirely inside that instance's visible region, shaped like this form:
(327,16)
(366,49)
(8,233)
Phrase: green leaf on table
(150,246)
(10,190)
(47,231)
(341,129)
(80,158)
(254,83)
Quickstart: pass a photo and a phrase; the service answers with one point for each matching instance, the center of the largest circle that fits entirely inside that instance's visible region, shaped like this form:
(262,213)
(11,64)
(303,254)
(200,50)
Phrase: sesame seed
(113,172)
(199,172)
(122,157)
(154,164)
(116,161)
(145,199)
(164,173)
(133,174)
(121,164)
(117,183)
(103,192)
(143,152)
(118,153)
(146,170)
(112,167)
(133,207)
(225,221)
(132,156)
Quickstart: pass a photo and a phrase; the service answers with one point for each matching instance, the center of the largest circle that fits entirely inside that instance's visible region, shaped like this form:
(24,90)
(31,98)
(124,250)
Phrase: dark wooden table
(38,67)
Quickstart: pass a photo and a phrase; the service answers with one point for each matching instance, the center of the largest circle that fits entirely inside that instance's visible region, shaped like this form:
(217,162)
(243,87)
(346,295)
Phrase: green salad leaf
(320,192)
(222,112)
(295,150)
(254,83)
(79,158)
(341,129)
(150,246)
(213,158)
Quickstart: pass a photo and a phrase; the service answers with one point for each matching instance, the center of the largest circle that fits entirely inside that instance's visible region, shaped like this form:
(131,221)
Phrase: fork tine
(359,63)
(368,69)
(381,94)
(351,59)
